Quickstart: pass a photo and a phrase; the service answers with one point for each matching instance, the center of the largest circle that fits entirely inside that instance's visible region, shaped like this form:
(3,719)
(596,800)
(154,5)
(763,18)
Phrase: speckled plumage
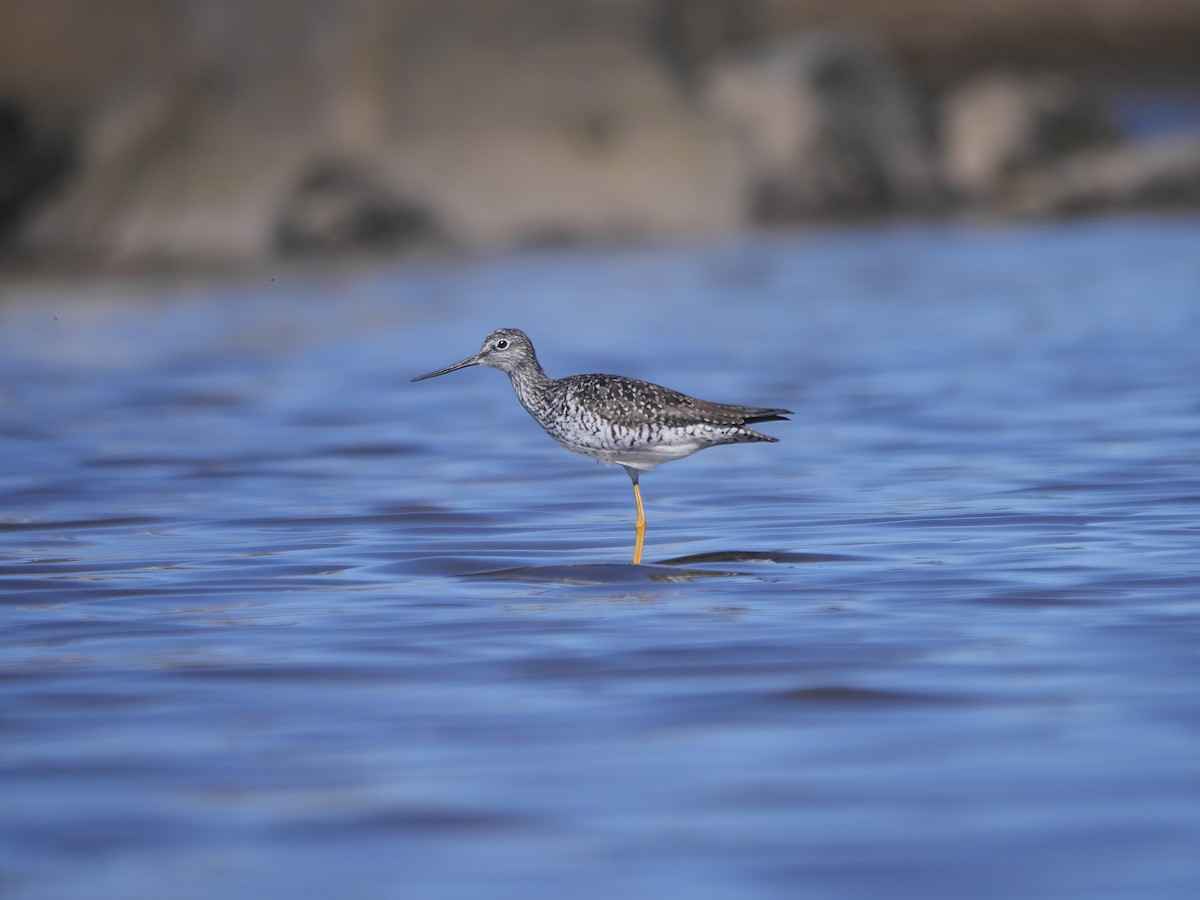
(615,419)
(612,418)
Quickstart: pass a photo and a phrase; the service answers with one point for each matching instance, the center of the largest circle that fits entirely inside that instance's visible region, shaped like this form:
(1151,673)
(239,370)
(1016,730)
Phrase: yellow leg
(640,527)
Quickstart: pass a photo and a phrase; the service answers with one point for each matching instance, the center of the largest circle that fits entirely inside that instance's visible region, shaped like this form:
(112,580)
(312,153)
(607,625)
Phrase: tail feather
(752,415)
(749,435)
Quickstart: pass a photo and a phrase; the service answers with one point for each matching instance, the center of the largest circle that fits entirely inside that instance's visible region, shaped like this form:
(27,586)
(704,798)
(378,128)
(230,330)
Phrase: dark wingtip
(771,415)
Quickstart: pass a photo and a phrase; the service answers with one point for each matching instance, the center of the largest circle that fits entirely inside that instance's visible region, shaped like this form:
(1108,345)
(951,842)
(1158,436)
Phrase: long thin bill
(469,361)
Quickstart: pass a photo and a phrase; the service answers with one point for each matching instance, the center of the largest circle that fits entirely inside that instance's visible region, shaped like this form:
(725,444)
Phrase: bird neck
(530,384)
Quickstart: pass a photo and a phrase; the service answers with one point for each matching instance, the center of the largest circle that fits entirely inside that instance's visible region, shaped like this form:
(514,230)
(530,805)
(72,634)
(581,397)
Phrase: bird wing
(631,402)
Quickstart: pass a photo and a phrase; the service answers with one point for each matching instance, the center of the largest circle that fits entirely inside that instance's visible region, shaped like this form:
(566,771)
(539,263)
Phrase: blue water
(278,622)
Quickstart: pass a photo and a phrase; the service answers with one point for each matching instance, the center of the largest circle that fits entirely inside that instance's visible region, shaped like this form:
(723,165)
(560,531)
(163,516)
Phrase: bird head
(506,349)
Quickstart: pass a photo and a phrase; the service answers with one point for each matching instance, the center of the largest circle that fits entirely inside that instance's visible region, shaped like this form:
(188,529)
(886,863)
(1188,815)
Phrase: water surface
(278,622)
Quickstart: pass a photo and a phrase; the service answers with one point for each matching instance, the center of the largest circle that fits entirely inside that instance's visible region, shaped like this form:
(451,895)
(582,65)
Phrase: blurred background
(150,132)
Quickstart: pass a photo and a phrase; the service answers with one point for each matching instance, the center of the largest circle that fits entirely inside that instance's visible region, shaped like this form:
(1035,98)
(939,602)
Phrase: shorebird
(614,419)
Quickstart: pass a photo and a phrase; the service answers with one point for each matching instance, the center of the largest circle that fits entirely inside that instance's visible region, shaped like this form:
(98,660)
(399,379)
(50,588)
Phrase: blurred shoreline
(160,134)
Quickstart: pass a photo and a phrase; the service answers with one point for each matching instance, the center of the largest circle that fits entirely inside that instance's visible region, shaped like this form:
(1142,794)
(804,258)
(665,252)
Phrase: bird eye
(502,344)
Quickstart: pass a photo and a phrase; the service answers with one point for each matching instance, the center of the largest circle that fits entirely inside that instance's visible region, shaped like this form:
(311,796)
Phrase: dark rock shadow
(678,569)
(601,573)
(753,556)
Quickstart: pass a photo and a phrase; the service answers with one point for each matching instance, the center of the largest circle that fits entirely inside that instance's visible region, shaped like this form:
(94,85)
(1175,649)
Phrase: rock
(515,137)
(338,206)
(509,121)
(825,127)
(189,161)
(202,133)
(31,164)
(1164,172)
(1001,125)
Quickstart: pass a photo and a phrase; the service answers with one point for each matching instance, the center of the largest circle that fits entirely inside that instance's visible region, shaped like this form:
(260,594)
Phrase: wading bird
(615,419)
